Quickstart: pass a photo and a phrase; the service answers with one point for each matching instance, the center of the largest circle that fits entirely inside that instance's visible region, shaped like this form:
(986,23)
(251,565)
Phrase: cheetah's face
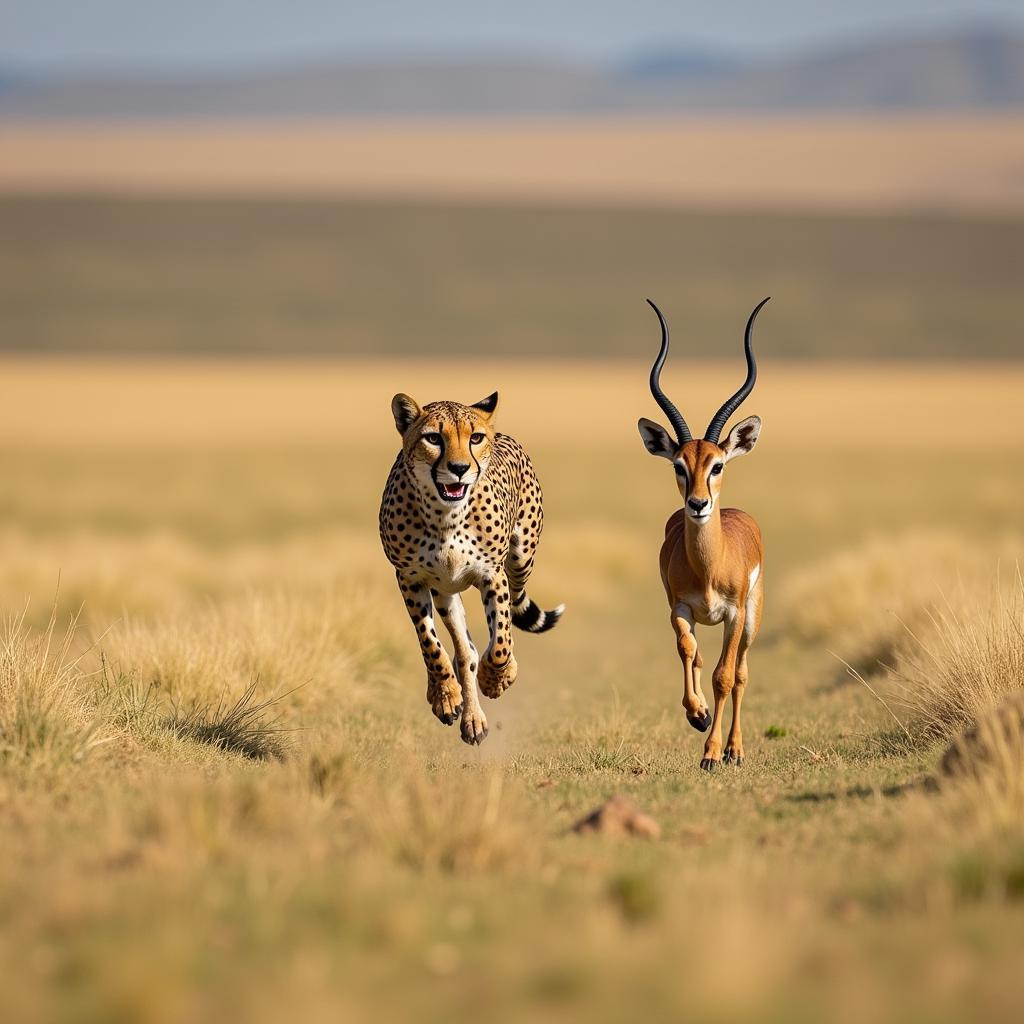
(447,445)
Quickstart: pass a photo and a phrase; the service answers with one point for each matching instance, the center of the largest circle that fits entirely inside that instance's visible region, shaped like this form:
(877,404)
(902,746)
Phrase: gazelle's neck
(704,543)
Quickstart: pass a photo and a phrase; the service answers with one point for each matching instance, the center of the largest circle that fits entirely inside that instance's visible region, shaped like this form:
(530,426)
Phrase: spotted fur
(463,508)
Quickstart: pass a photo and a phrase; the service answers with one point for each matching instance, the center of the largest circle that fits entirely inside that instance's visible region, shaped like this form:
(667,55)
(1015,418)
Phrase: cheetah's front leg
(498,666)
(474,722)
(444,695)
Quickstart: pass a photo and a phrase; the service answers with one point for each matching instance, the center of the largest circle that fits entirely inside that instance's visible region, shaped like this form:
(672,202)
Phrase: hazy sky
(178,33)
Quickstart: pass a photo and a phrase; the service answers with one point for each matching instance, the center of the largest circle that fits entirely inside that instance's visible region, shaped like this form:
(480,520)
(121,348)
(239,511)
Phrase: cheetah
(462,508)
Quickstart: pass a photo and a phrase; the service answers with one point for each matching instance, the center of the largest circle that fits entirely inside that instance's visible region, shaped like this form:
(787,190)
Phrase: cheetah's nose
(458,468)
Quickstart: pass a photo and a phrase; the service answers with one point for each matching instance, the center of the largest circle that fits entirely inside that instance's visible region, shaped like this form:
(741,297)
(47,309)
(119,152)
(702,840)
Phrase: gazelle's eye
(716,469)
(476,438)
(680,470)
(434,439)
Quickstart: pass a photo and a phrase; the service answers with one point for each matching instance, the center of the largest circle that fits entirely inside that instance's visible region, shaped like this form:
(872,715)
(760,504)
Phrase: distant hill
(968,69)
(979,69)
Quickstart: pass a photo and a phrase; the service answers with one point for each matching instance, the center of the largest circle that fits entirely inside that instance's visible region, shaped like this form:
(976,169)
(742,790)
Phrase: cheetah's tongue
(453,490)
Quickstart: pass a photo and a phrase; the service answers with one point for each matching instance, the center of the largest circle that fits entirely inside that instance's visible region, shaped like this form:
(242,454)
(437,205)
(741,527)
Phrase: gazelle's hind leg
(694,705)
(724,682)
(734,745)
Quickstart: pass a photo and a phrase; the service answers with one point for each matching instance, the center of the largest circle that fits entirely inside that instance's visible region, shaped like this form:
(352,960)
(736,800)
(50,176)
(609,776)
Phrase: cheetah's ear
(406,411)
(487,405)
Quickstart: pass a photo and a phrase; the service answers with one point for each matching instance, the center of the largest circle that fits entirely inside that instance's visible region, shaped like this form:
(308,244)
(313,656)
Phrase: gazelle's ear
(487,405)
(406,411)
(742,437)
(656,439)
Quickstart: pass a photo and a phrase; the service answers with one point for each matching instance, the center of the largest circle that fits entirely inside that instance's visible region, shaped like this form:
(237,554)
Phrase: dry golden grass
(963,661)
(218,523)
(842,410)
(866,602)
(47,721)
(854,162)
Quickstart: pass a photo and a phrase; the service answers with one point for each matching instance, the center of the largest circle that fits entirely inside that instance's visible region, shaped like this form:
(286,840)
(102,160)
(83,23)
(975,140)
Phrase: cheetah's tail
(529,616)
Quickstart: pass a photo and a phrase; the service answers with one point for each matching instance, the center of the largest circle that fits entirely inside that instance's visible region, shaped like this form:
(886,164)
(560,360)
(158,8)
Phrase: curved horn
(675,416)
(714,431)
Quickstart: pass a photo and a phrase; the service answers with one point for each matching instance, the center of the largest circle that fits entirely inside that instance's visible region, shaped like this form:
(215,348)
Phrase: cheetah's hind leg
(527,615)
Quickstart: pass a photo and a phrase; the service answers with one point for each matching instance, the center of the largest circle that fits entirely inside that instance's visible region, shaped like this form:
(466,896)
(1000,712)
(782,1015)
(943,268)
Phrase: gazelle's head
(699,464)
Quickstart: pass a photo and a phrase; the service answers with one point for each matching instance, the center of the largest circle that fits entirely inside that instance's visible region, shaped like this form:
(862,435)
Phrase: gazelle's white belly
(709,608)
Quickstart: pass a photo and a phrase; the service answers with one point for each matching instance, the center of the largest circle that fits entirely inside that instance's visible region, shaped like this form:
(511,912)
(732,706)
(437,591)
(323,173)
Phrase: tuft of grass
(775,732)
(242,727)
(46,719)
(966,661)
(860,602)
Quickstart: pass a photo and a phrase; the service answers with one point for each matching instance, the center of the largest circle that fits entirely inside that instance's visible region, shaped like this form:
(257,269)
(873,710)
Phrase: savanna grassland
(927,160)
(307,276)
(336,851)
(222,793)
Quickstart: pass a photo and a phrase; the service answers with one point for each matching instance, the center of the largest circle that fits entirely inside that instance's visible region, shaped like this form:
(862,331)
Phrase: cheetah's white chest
(457,564)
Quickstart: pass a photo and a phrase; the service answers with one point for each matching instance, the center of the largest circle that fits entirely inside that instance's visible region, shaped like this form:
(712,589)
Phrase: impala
(712,560)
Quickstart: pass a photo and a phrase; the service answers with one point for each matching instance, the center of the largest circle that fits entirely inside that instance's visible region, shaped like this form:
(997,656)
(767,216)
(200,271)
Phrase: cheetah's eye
(476,438)
(434,439)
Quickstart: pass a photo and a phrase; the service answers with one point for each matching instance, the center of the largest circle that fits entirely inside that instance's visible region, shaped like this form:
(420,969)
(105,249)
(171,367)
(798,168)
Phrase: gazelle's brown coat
(712,559)
(714,573)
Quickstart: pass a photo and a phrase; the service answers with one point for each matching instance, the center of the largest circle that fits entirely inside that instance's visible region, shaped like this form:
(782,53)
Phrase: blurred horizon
(473,179)
(970,65)
(110,35)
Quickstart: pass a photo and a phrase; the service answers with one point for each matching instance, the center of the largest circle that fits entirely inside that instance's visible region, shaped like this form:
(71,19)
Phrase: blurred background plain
(335,178)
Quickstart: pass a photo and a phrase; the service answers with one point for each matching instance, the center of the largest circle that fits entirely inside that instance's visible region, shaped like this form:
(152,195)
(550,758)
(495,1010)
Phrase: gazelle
(712,560)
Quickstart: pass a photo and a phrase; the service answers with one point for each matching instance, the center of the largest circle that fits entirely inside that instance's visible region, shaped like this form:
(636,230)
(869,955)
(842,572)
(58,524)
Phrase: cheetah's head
(446,445)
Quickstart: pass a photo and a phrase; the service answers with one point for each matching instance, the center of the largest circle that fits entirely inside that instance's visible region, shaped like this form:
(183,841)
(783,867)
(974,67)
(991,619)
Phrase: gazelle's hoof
(701,723)
(730,757)
(709,764)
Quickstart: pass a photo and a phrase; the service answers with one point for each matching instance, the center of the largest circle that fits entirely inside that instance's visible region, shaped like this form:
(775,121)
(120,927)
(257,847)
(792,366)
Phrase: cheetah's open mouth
(452,492)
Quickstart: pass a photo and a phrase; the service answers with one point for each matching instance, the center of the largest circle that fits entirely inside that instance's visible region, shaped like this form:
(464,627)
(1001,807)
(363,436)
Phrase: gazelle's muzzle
(699,509)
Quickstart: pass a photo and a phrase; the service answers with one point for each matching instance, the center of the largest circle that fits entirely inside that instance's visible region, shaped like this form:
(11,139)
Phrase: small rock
(619,816)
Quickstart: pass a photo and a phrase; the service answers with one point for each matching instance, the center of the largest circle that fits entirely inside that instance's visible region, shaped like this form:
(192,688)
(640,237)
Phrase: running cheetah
(462,508)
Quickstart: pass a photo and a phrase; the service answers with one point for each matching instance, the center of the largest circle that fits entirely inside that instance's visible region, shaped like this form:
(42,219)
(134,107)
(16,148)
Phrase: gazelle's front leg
(686,642)
(443,692)
(723,681)
(498,666)
(453,614)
